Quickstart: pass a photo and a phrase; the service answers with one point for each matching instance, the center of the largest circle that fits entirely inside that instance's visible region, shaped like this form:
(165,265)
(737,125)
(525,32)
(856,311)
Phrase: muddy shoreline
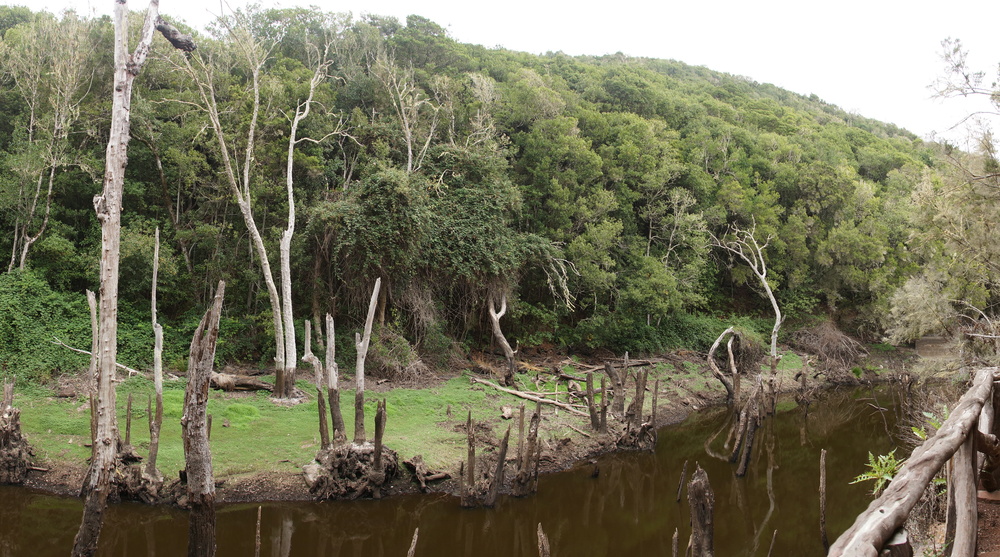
(560,452)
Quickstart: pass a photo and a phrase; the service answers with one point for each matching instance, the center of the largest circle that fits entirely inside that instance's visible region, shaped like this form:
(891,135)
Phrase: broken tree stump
(195,424)
(15,453)
(352,470)
(526,478)
(702,502)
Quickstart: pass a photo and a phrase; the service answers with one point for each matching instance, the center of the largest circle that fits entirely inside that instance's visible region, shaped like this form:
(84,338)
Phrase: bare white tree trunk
(362,342)
(108,207)
(151,473)
(508,352)
(744,245)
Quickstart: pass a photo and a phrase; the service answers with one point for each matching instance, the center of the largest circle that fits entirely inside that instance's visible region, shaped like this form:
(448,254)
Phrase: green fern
(881,470)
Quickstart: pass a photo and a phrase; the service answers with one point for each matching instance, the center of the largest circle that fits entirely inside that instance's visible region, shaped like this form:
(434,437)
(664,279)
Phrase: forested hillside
(586,190)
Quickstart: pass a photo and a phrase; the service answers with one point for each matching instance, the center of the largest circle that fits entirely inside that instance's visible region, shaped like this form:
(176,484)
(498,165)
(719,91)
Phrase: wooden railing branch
(885,515)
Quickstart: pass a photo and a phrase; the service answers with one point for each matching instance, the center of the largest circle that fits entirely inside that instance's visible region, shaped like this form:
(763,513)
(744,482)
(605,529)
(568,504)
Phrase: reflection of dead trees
(745,429)
(15,454)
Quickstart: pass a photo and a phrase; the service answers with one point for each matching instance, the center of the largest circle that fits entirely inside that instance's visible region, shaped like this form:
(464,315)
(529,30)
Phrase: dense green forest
(588,191)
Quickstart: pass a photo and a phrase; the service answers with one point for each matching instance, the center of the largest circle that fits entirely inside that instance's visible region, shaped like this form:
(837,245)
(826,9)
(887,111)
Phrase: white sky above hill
(876,58)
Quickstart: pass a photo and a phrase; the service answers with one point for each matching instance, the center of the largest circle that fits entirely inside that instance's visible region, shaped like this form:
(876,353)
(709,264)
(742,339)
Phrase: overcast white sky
(873,57)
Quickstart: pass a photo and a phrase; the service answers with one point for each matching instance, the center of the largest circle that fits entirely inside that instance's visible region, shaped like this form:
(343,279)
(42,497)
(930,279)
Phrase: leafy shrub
(32,315)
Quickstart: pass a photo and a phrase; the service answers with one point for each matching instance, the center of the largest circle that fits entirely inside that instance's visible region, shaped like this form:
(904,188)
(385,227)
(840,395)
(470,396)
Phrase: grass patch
(252,434)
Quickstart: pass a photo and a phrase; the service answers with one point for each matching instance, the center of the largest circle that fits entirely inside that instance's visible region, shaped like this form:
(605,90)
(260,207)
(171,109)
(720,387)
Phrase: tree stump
(702,502)
(348,471)
(15,453)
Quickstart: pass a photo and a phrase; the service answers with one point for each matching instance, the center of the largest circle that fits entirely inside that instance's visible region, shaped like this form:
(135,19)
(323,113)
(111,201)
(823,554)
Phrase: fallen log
(528,396)
(229,382)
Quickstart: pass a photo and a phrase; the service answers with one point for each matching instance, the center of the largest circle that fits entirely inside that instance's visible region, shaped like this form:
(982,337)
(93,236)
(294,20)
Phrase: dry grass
(833,348)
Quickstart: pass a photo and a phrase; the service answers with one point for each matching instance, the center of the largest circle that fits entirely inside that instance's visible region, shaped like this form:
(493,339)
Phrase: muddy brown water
(628,509)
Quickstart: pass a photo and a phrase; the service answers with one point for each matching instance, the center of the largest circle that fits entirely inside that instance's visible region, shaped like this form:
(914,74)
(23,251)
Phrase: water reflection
(629,508)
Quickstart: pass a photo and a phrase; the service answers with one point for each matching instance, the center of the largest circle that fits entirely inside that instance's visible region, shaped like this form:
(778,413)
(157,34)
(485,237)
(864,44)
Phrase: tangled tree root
(350,471)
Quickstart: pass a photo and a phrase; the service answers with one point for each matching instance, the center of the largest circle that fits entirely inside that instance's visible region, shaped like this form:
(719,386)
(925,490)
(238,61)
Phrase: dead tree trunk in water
(508,352)
(702,501)
(108,206)
(333,384)
(362,345)
(195,424)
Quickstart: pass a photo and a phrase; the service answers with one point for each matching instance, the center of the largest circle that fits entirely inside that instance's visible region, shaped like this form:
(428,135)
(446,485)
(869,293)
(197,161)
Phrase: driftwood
(348,471)
(701,499)
(529,396)
(151,474)
(15,453)
(333,384)
(413,544)
(595,419)
(422,474)
(822,501)
(309,357)
(639,434)
(108,209)
(726,382)
(872,528)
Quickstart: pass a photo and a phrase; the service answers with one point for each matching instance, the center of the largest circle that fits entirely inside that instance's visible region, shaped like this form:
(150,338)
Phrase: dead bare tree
(108,206)
(151,475)
(361,343)
(508,352)
(254,53)
(743,244)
